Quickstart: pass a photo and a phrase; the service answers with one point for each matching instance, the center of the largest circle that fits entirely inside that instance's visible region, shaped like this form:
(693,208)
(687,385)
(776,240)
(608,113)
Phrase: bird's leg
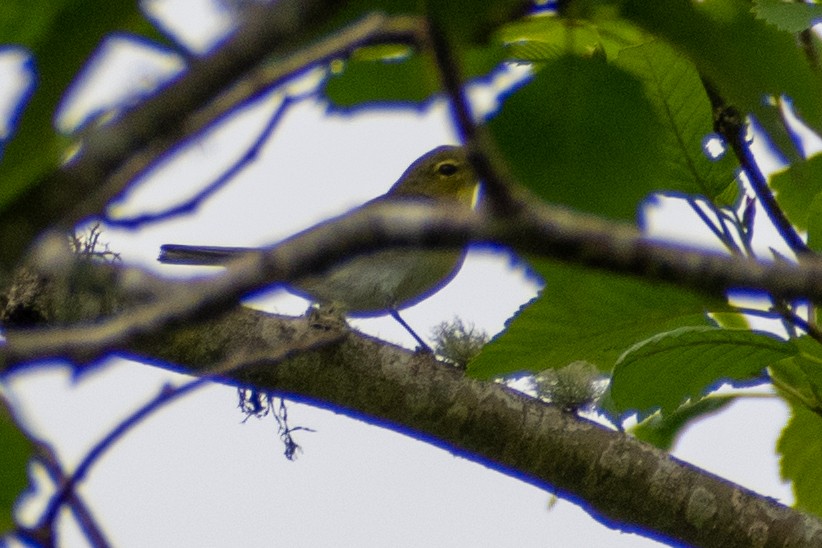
(424,347)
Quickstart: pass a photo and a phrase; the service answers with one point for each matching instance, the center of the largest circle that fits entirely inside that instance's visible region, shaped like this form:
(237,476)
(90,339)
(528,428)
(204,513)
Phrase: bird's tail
(201,254)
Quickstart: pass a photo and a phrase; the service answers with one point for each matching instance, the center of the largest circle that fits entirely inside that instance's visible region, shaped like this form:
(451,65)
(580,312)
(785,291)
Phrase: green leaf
(797,187)
(466,22)
(533,51)
(662,431)
(365,80)
(411,80)
(792,381)
(731,320)
(28,23)
(667,369)
(471,21)
(535,38)
(16,453)
(61,35)
(815,223)
(544,38)
(582,133)
(745,58)
(810,361)
(590,316)
(799,447)
(788,16)
(681,103)
(800,376)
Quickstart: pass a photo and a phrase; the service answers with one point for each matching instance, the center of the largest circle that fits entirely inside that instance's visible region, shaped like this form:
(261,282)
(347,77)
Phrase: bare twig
(82,514)
(729,123)
(190,205)
(43,533)
(504,197)
(807,43)
(719,228)
(273,354)
(372,28)
(67,487)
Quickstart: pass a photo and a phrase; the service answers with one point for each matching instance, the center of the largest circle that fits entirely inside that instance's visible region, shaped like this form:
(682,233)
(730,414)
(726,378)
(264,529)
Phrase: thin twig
(168,394)
(372,28)
(791,317)
(67,487)
(81,512)
(190,205)
(44,533)
(807,43)
(503,195)
(729,123)
(721,232)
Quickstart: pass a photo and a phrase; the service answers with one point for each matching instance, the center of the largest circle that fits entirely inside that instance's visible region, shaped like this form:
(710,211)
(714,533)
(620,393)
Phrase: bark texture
(621,481)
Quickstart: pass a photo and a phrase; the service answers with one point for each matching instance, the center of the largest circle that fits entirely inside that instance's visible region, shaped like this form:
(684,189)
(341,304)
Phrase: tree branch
(729,123)
(504,197)
(621,481)
(542,230)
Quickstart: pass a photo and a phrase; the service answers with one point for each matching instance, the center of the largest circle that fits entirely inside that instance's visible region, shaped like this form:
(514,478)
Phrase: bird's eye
(447,169)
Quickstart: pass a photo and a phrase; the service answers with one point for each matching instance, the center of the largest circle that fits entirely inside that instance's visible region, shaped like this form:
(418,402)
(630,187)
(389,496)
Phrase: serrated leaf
(810,361)
(582,133)
(15,455)
(788,16)
(815,223)
(667,369)
(800,376)
(796,187)
(799,448)
(590,316)
(681,103)
(745,58)
(533,51)
(662,431)
(531,38)
(546,37)
(470,21)
(411,80)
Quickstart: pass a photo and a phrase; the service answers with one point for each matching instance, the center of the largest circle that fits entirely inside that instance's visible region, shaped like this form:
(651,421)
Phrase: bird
(386,281)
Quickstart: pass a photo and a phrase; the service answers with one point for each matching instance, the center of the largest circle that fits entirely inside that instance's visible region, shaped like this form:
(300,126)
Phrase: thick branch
(543,230)
(623,482)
